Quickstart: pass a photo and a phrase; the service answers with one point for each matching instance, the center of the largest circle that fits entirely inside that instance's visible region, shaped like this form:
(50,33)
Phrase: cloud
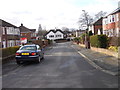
(51,13)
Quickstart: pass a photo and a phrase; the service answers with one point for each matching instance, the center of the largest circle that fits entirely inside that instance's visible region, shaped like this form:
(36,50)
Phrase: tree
(41,32)
(100,14)
(65,29)
(85,20)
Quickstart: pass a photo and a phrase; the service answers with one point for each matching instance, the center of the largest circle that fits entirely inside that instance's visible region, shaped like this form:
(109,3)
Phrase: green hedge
(9,51)
(100,41)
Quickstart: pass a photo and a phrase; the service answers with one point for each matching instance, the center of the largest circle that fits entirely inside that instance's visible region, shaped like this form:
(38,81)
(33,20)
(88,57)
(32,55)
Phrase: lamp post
(87,43)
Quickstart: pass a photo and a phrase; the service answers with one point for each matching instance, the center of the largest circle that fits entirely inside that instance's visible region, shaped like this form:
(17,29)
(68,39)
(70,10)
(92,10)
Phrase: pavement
(106,63)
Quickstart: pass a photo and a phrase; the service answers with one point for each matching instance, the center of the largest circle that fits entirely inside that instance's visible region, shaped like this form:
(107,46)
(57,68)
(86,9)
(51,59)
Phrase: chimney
(21,24)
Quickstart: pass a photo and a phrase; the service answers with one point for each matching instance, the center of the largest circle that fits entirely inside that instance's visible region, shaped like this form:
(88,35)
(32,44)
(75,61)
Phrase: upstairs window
(51,36)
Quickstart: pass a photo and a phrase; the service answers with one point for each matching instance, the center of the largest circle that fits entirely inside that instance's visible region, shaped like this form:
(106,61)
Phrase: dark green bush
(76,39)
(90,33)
(9,51)
(100,41)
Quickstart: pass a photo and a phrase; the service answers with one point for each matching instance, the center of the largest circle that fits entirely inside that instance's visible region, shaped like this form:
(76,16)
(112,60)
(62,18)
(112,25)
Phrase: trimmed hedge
(100,41)
(9,51)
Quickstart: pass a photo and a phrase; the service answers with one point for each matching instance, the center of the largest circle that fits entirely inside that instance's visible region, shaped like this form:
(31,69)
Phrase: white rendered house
(55,34)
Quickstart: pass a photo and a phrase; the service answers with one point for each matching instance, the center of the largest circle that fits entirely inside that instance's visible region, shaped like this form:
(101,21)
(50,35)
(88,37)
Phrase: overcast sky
(51,13)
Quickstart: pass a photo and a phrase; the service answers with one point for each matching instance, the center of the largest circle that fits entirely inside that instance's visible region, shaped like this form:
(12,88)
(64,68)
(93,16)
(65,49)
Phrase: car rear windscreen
(28,48)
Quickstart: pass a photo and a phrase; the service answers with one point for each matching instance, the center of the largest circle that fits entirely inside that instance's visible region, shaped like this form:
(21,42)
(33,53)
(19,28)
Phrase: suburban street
(63,67)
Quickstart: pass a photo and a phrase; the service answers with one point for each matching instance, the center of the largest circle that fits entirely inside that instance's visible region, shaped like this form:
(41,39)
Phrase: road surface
(63,67)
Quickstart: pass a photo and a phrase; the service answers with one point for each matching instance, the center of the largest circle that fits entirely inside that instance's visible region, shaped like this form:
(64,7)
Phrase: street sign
(23,40)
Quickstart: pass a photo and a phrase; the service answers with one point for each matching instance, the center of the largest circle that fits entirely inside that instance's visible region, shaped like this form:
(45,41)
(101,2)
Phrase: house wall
(10,37)
(52,36)
(49,36)
(96,28)
(59,35)
(111,25)
(26,35)
(0,36)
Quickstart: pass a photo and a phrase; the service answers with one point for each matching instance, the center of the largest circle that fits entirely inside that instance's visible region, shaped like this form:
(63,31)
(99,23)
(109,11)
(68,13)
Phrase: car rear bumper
(28,58)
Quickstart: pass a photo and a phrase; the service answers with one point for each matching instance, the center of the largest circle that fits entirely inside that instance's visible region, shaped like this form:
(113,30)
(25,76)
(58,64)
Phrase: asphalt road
(63,67)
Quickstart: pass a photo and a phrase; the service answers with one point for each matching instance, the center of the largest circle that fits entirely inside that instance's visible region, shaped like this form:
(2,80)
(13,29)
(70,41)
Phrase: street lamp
(86,21)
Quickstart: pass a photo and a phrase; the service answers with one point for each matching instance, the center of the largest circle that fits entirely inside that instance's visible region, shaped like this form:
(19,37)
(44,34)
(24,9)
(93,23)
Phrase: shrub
(49,41)
(9,51)
(76,39)
(90,33)
(100,41)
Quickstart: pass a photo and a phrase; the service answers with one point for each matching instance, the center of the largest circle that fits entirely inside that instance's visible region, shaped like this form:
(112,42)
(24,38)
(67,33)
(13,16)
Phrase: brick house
(10,34)
(96,27)
(29,34)
(111,24)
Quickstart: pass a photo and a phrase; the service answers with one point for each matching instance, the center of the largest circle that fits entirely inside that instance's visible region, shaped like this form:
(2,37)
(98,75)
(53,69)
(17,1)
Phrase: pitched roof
(59,30)
(115,11)
(98,22)
(25,29)
(33,30)
(54,31)
(4,23)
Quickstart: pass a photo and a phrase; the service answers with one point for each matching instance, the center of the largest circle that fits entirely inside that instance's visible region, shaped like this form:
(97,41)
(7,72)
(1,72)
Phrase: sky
(51,13)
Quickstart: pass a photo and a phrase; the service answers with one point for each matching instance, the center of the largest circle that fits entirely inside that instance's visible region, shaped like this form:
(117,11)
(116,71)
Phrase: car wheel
(43,57)
(39,59)
(18,62)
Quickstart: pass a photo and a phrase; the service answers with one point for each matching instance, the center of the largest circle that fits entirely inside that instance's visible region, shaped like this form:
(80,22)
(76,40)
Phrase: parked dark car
(29,53)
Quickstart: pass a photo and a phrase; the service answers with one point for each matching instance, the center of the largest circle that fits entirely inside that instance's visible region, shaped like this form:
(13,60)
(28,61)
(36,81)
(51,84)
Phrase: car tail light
(33,54)
(17,54)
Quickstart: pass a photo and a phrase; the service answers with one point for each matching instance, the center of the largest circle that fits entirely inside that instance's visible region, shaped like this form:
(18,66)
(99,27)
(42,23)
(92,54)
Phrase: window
(51,36)
(113,18)
(58,36)
(28,48)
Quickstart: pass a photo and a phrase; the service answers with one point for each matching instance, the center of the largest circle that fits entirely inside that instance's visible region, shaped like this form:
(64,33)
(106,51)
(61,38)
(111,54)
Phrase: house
(27,34)
(96,27)
(111,24)
(54,34)
(10,34)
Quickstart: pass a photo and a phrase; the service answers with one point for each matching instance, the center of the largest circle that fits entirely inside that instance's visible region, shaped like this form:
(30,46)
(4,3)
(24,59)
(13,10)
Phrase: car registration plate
(25,53)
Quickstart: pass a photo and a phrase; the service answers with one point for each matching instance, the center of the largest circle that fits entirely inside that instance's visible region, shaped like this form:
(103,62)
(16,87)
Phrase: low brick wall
(119,52)
(104,51)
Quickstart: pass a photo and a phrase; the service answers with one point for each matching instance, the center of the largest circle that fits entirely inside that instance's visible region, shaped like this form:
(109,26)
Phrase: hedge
(100,41)
(9,51)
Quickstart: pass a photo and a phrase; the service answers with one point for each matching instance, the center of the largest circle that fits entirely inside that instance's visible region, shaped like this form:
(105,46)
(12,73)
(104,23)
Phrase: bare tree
(85,20)
(65,29)
(100,14)
(41,32)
